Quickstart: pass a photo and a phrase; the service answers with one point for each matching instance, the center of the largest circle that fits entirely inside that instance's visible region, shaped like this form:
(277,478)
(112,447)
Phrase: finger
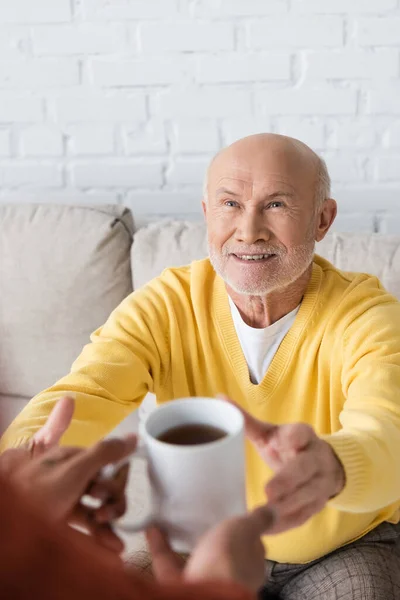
(87,464)
(295,474)
(83,518)
(261,519)
(106,536)
(85,539)
(290,521)
(45,463)
(35,448)
(112,493)
(111,511)
(167,566)
(258,432)
(110,489)
(295,437)
(57,423)
(56,455)
(312,491)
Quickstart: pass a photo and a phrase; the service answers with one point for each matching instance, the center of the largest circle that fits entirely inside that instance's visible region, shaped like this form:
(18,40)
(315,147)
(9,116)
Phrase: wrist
(339,477)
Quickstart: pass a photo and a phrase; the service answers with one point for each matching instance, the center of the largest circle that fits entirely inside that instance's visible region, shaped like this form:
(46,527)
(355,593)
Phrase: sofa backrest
(174,243)
(63,269)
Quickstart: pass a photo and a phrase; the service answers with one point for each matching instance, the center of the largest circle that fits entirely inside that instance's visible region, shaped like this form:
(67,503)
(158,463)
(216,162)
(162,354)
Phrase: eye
(230,203)
(275,204)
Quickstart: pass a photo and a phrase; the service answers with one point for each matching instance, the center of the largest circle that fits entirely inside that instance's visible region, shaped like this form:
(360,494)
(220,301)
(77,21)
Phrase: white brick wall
(41,140)
(297,32)
(39,11)
(112,174)
(91,139)
(187,36)
(126,100)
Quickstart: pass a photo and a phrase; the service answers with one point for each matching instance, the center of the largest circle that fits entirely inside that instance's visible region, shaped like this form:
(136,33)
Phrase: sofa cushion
(166,244)
(174,243)
(10,407)
(373,253)
(63,269)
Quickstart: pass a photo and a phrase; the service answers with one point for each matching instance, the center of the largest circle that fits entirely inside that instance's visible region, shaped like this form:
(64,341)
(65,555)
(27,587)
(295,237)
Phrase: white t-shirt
(260,345)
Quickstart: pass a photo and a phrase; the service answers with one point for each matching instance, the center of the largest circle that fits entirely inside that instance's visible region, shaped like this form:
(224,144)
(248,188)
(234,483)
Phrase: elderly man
(292,340)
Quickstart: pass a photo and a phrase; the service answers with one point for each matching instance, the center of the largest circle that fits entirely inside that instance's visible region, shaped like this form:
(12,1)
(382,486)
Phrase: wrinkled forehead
(262,171)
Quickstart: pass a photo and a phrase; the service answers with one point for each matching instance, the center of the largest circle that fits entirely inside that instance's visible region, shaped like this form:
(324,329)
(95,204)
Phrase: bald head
(256,152)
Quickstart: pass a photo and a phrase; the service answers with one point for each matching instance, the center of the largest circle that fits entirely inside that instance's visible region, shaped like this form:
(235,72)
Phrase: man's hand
(231,552)
(47,437)
(307,471)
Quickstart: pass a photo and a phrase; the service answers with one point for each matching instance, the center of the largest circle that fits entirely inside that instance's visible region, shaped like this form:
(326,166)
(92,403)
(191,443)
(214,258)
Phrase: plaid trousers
(367,569)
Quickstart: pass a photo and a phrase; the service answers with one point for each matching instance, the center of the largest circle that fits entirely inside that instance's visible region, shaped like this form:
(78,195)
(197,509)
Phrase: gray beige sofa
(64,268)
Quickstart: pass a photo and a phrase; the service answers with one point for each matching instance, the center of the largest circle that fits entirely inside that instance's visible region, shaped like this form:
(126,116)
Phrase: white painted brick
(342,6)
(77,38)
(128,9)
(191,137)
(5,143)
(92,107)
(117,174)
(14,42)
(354,132)
(19,175)
(370,199)
(187,171)
(206,102)
(387,168)
(90,139)
(312,101)
(343,169)
(384,100)
(166,203)
(393,137)
(145,138)
(390,223)
(39,11)
(384,31)
(309,131)
(14,109)
(238,8)
(231,68)
(235,129)
(33,74)
(41,140)
(287,32)
(157,71)
(185,36)
(353,64)
(46,196)
(340,94)
(361,222)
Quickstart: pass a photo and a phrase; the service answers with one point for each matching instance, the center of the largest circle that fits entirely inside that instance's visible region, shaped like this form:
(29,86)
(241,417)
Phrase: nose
(251,228)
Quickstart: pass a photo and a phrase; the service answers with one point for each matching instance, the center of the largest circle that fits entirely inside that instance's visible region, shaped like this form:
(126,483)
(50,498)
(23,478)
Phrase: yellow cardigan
(338,369)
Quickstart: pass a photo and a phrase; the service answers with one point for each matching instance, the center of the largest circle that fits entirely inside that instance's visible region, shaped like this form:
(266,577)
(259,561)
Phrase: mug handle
(110,471)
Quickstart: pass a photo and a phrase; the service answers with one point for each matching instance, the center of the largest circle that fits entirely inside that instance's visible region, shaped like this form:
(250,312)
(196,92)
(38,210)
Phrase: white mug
(193,487)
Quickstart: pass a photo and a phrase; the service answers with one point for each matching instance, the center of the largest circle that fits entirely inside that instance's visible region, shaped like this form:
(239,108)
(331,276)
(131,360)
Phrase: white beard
(285,271)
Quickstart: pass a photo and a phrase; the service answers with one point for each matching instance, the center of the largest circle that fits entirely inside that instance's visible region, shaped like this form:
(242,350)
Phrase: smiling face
(261,215)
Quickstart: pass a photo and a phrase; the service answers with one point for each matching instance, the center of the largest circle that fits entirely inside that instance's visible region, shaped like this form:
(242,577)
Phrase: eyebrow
(223,190)
(278,194)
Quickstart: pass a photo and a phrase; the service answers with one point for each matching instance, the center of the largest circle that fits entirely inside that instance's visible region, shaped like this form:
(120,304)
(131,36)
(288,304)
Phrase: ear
(204,207)
(326,215)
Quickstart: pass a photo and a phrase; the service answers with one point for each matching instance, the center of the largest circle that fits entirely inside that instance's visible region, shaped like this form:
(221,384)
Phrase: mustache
(253,250)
